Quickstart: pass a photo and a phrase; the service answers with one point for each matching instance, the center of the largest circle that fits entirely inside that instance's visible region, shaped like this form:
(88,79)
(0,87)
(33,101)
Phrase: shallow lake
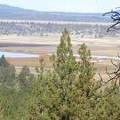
(27,55)
(18,55)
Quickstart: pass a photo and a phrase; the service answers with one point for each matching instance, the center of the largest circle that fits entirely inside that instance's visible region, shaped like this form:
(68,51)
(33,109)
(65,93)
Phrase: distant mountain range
(10,12)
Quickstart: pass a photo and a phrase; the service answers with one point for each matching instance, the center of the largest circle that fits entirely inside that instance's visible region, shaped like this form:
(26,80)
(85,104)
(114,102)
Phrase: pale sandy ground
(104,46)
(48,44)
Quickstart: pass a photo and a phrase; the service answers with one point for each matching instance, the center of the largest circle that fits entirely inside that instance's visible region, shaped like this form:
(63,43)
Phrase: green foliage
(69,91)
(7,72)
(86,71)
(3,61)
(12,101)
(57,92)
(64,61)
(13,104)
(66,91)
(25,77)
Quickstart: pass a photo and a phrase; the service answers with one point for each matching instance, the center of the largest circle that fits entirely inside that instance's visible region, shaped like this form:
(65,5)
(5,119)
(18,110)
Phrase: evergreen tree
(64,60)
(25,77)
(68,91)
(65,66)
(86,70)
(7,72)
(3,62)
(84,91)
(58,94)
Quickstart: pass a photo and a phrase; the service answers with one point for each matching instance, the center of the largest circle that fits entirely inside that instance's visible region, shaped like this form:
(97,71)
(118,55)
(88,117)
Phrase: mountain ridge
(17,13)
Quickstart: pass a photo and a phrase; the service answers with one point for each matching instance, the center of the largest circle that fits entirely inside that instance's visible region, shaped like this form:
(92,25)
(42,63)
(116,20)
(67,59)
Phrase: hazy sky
(65,5)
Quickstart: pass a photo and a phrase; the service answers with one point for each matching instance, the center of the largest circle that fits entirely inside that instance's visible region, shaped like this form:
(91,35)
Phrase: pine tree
(63,92)
(86,70)
(25,77)
(65,66)
(3,61)
(64,63)
(53,89)
(84,93)
(7,72)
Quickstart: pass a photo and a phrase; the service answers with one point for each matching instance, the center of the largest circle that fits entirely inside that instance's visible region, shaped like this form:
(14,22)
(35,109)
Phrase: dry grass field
(48,44)
(38,44)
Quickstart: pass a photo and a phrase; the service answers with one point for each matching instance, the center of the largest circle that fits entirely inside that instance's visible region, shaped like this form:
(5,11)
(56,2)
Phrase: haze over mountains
(10,12)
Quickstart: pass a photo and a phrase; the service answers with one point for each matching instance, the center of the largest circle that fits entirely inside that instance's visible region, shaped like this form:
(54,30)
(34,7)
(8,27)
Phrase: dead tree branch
(115,16)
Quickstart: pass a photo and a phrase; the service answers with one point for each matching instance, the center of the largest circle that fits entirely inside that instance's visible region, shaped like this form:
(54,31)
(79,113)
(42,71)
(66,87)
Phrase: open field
(48,44)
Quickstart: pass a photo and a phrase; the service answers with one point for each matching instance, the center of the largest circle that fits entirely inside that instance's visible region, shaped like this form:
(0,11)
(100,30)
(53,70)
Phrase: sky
(89,6)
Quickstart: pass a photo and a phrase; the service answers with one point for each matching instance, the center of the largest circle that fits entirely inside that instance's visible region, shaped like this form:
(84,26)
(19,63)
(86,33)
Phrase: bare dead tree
(115,16)
(113,77)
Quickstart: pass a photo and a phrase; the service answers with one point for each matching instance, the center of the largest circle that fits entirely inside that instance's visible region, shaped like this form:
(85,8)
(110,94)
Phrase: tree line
(43,29)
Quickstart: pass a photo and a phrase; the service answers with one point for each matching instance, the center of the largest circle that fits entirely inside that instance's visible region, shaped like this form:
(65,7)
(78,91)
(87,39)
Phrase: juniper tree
(7,72)
(25,77)
(83,86)
(65,67)
(3,61)
(57,95)
(64,63)
(86,70)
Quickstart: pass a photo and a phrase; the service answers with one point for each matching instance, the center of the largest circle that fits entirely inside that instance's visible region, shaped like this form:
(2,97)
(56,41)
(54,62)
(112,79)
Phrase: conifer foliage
(68,90)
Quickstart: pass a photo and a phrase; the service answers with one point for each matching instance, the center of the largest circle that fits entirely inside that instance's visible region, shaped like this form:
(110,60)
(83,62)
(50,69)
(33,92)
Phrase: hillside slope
(10,12)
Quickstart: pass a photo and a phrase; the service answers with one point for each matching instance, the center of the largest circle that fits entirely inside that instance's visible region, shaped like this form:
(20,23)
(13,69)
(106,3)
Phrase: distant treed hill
(9,12)
(28,28)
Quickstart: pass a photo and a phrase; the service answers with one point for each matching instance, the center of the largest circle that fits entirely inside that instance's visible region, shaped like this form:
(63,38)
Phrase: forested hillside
(9,12)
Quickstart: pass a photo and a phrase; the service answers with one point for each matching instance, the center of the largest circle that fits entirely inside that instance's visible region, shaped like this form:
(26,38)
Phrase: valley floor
(47,45)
